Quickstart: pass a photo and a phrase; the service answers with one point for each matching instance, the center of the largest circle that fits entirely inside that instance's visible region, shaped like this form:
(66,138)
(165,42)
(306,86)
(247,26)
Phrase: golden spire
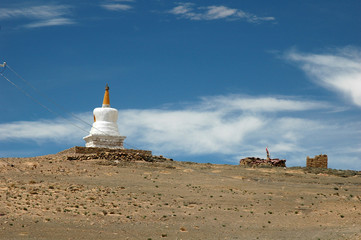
(106,102)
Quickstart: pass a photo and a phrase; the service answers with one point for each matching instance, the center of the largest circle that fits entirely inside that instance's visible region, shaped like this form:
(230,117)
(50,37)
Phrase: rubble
(120,157)
(254,161)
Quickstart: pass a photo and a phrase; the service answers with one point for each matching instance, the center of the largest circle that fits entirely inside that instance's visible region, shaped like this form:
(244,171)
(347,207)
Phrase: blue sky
(205,81)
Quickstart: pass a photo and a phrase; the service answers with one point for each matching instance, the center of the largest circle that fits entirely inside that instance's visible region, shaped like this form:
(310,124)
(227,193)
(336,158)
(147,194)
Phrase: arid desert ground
(50,197)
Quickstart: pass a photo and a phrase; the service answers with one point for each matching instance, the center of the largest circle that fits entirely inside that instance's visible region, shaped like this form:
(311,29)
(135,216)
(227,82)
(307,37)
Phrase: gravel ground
(50,197)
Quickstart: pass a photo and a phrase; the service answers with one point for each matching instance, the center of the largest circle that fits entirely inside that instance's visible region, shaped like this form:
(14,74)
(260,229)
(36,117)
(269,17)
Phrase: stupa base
(102,141)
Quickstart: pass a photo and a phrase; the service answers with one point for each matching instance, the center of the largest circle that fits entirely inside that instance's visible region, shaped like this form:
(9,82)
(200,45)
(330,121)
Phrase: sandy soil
(50,197)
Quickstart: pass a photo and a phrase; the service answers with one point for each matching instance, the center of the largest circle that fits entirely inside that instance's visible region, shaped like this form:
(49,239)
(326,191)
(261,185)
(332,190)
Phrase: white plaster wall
(106,122)
(106,114)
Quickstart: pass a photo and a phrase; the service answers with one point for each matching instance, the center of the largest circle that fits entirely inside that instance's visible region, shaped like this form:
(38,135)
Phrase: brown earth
(50,197)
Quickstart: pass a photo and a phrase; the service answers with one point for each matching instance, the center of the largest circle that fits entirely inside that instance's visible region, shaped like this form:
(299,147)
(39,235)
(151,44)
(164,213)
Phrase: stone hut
(319,161)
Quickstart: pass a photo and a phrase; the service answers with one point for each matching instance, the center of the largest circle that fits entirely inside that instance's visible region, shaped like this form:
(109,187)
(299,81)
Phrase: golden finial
(106,102)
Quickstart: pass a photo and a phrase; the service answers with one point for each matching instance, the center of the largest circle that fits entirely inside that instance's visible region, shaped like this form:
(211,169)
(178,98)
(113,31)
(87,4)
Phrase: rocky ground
(51,197)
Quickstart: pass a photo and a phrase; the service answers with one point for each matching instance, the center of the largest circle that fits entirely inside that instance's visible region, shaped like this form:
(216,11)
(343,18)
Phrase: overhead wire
(132,146)
(49,99)
(38,102)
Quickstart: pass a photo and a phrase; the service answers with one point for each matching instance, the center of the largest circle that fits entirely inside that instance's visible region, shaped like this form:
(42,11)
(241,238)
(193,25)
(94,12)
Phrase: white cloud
(264,104)
(182,9)
(239,126)
(230,126)
(45,15)
(50,22)
(339,71)
(216,12)
(56,130)
(116,7)
(44,12)
(191,132)
(189,11)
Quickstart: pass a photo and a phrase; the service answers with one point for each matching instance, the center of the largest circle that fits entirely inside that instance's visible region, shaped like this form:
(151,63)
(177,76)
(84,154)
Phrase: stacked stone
(319,161)
(253,161)
(97,150)
(121,157)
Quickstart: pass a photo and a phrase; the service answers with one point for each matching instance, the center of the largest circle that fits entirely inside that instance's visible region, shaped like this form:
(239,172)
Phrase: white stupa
(104,132)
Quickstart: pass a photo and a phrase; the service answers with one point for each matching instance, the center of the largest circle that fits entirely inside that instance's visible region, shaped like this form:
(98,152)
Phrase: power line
(48,98)
(5,65)
(37,102)
(133,147)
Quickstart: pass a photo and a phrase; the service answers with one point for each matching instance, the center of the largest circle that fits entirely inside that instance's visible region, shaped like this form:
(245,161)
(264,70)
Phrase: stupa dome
(104,132)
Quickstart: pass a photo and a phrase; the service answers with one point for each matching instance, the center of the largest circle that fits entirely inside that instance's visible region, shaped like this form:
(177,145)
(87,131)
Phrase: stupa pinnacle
(106,101)
(104,132)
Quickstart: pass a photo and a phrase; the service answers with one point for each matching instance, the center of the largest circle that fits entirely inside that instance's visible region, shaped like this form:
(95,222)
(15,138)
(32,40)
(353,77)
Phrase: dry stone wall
(111,155)
(96,150)
(254,162)
(319,161)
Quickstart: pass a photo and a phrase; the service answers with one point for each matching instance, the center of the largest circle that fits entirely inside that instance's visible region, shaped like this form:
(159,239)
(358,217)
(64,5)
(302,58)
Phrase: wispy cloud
(339,71)
(223,125)
(264,104)
(43,12)
(191,12)
(117,5)
(44,15)
(231,126)
(56,130)
(50,22)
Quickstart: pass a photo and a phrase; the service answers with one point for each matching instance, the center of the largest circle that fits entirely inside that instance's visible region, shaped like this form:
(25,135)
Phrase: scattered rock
(253,161)
(120,157)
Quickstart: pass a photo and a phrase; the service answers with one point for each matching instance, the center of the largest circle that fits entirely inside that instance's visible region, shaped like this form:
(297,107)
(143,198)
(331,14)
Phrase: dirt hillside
(51,197)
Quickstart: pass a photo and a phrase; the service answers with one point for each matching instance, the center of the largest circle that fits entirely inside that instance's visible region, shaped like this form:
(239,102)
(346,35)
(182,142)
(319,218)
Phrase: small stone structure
(253,161)
(113,155)
(319,161)
(95,150)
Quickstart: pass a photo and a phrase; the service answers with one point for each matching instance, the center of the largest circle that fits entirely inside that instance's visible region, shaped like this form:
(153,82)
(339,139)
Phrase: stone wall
(254,162)
(319,161)
(96,150)
(113,156)
(117,157)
